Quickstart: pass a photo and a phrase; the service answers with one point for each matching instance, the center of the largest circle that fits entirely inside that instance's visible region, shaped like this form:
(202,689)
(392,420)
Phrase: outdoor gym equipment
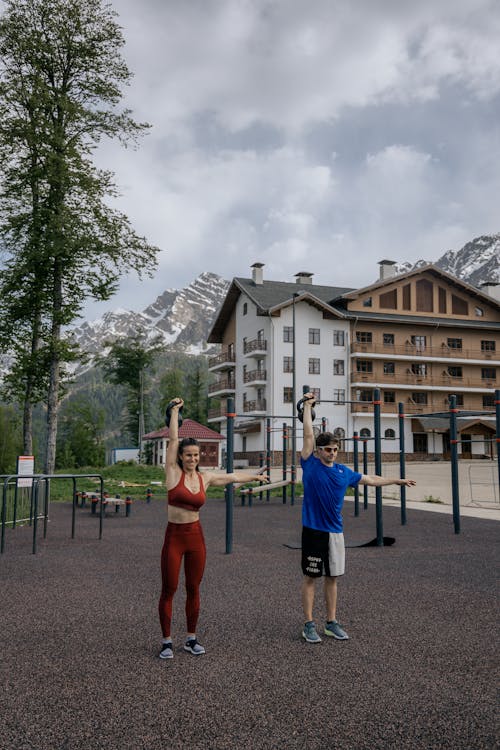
(168,413)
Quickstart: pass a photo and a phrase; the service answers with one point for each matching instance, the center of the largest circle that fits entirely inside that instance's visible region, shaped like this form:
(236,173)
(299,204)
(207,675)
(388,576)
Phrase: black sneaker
(167,651)
(194,647)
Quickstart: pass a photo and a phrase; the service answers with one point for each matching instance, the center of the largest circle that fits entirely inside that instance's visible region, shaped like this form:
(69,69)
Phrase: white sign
(25,467)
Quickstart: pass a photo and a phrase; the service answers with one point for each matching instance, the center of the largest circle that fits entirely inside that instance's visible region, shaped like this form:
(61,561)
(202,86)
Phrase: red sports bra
(181,496)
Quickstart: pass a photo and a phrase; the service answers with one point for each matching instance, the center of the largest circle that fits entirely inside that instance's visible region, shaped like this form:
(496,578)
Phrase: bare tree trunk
(53,399)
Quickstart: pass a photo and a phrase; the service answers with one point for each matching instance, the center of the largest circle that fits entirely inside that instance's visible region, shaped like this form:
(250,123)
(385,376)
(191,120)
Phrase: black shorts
(323,553)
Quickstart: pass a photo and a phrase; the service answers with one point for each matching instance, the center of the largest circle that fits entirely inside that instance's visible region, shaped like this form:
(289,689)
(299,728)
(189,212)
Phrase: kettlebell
(168,414)
(300,409)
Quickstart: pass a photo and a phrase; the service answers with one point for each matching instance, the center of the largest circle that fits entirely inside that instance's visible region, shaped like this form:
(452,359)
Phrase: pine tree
(61,80)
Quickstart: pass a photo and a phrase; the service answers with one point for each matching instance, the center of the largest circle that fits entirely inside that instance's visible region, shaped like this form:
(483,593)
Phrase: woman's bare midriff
(181,515)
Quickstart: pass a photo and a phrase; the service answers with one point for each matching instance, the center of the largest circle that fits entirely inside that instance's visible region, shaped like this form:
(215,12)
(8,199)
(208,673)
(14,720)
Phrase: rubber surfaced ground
(80,638)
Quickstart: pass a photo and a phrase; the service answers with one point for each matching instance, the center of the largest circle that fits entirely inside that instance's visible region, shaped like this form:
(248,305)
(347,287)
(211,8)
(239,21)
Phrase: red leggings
(181,539)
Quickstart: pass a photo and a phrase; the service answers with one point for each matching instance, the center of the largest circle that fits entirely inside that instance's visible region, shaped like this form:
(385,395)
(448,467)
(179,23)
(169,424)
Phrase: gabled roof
(430,268)
(271,296)
(189,428)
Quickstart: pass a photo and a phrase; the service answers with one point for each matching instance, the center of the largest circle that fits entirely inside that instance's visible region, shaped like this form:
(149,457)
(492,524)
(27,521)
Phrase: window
(488,346)
(365,433)
(364,365)
(442,300)
(338,367)
(455,371)
(388,339)
(459,306)
(314,366)
(454,343)
(390,434)
(338,338)
(419,342)
(365,395)
(407,297)
(367,302)
(419,442)
(339,395)
(260,336)
(424,295)
(244,344)
(287,364)
(419,397)
(288,334)
(488,373)
(418,368)
(459,399)
(388,300)
(389,368)
(488,400)
(478,312)
(314,336)
(339,433)
(389,397)
(316,392)
(364,337)
(287,395)
(245,308)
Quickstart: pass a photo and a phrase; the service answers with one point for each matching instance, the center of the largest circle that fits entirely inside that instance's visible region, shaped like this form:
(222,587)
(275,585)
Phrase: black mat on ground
(80,638)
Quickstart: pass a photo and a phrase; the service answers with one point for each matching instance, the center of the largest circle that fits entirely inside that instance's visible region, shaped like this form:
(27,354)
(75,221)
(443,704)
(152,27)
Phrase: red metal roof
(189,428)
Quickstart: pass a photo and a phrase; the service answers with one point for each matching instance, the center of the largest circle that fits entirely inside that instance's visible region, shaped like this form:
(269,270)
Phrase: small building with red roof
(209,440)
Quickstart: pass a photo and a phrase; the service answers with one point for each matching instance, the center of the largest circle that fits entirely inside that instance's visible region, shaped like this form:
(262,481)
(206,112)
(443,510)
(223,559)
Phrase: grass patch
(432,499)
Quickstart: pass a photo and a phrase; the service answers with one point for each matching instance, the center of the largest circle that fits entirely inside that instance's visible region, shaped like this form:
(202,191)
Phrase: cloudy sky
(321,136)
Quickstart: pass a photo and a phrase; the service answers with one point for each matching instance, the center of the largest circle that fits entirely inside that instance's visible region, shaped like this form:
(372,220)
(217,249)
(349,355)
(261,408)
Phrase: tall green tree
(10,439)
(61,81)
(197,393)
(130,362)
(80,436)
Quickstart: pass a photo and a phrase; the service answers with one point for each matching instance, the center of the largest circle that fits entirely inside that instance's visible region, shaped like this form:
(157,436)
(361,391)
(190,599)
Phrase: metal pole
(35,517)
(294,399)
(497,412)
(285,448)
(378,467)
(365,471)
(73,515)
(268,454)
(229,469)
(454,463)
(356,468)
(4,513)
(402,467)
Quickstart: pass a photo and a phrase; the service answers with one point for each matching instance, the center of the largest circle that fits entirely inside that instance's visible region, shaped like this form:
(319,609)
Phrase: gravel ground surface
(80,638)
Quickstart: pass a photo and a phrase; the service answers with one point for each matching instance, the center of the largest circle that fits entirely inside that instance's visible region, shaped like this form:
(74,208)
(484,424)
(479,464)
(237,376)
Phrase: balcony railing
(409,350)
(253,406)
(221,386)
(406,378)
(223,360)
(392,408)
(217,414)
(255,376)
(254,346)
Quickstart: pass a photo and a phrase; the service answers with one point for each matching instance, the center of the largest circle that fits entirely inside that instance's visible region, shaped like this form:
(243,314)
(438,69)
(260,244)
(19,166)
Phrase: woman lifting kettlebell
(186,489)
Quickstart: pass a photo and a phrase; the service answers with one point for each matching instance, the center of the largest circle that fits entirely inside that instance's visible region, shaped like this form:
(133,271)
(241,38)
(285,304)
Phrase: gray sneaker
(167,651)
(334,629)
(310,633)
(194,647)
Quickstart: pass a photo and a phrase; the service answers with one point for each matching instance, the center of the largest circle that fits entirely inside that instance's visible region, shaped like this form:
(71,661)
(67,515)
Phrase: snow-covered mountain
(182,318)
(477,262)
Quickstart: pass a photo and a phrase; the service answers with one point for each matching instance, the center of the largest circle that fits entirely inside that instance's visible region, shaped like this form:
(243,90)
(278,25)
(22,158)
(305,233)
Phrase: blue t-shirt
(324,491)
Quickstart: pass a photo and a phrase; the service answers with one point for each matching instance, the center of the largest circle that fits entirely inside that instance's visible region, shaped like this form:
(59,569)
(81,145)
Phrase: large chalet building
(419,337)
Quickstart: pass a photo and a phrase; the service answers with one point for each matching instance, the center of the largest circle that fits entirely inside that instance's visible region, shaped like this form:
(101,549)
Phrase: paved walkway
(80,637)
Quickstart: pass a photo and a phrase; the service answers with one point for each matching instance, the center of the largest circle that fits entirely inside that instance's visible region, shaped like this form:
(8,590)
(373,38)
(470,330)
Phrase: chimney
(492,289)
(387,269)
(303,277)
(257,273)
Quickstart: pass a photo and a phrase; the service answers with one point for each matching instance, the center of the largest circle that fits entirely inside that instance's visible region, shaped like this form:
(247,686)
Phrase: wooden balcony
(255,407)
(217,415)
(256,347)
(405,379)
(255,377)
(221,387)
(224,361)
(423,352)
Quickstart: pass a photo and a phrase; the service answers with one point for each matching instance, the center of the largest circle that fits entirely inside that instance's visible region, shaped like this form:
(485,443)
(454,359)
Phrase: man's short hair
(327,438)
